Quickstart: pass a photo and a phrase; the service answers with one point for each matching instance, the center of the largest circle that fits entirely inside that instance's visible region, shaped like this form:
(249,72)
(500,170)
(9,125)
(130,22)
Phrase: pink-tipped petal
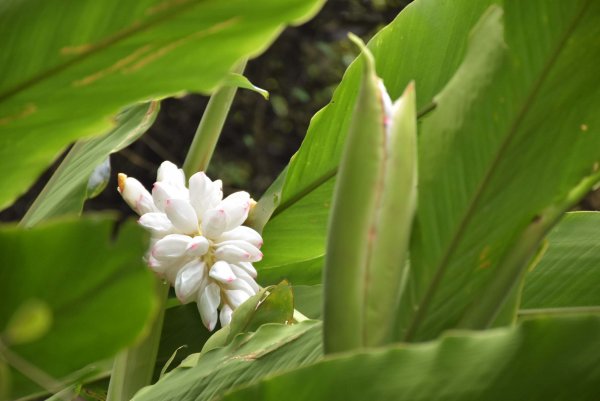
(221,271)
(213,223)
(162,192)
(236,207)
(235,254)
(170,247)
(198,246)
(242,233)
(157,223)
(170,174)
(242,285)
(208,302)
(182,215)
(188,281)
(255,253)
(204,193)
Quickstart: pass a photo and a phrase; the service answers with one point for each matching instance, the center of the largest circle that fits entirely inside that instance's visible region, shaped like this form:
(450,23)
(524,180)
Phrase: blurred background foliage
(300,70)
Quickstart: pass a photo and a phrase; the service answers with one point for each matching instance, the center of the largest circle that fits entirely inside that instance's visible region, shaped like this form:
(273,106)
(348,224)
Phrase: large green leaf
(541,360)
(568,275)
(294,240)
(99,295)
(67,68)
(500,162)
(250,357)
(425,43)
(66,191)
(499,151)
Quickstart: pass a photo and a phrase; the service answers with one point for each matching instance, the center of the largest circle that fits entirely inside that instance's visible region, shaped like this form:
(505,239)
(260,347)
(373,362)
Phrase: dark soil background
(300,70)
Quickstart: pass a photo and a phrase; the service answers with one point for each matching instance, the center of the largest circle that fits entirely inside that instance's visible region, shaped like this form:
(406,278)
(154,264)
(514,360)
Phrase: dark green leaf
(541,360)
(568,273)
(250,357)
(99,292)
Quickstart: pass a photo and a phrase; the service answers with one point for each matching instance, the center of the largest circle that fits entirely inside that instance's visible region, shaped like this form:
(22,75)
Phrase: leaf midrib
(467,216)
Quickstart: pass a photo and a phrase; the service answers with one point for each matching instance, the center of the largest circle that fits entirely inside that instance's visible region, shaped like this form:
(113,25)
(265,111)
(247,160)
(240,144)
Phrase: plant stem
(209,129)
(133,369)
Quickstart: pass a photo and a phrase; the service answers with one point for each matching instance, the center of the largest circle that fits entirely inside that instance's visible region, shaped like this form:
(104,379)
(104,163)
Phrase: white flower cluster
(198,242)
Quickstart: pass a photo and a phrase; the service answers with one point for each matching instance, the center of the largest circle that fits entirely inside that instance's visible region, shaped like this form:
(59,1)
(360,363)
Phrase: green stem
(133,369)
(209,129)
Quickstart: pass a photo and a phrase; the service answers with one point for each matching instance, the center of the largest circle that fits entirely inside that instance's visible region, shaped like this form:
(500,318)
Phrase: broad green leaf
(568,274)
(308,299)
(500,162)
(540,360)
(294,241)
(65,192)
(66,69)
(250,357)
(425,43)
(98,291)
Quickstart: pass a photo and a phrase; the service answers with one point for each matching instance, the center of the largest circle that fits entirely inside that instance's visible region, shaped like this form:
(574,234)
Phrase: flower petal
(170,247)
(236,297)
(157,223)
(242,274)
(255,253)
(204,193)
(136,196)
(213,223)
(208,302)
(236,207)
(162,192)
(235,254)
(198,246)
(225,315)
(189,280)
(242,285)
(182,215)
(221,271)
(165,266)
(248,268)
(170,174)
(242,233)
